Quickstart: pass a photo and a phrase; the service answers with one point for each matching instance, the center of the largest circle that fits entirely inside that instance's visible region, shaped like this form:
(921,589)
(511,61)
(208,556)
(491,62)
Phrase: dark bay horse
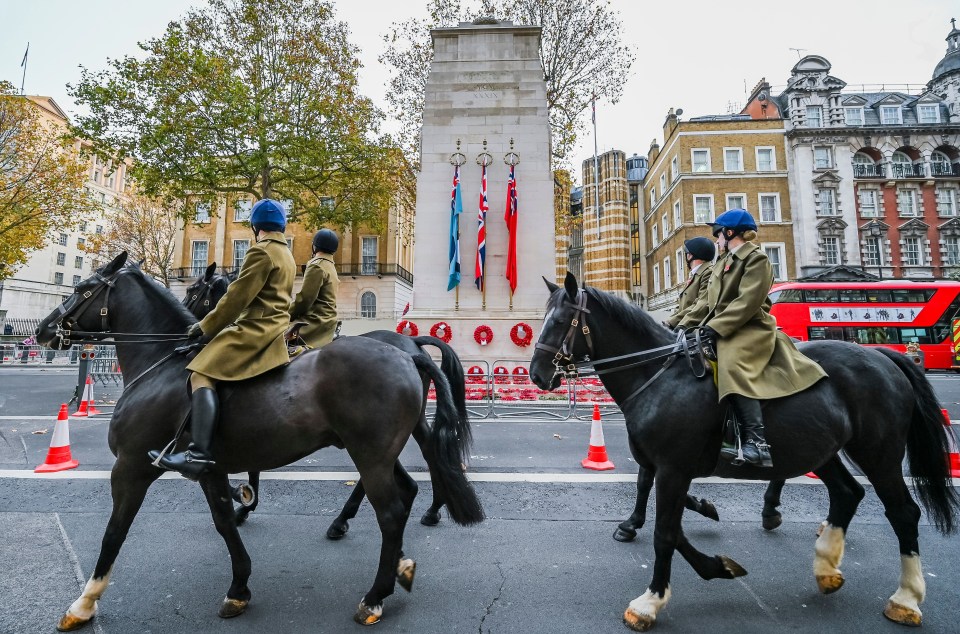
(204,294)
(357,394)
(875,406)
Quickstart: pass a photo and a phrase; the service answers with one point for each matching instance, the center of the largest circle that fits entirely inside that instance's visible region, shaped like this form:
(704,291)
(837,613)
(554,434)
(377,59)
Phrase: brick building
(606,253)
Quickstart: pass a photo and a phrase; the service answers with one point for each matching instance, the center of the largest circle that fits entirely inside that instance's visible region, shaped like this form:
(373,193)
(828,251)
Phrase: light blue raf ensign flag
(456,208)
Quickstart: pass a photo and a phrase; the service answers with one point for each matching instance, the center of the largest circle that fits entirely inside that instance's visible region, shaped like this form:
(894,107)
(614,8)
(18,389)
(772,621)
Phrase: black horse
(356,394)
(875,406)
(204,294)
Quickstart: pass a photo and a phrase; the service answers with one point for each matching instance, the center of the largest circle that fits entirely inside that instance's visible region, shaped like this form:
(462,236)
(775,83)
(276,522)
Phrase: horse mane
(161,292)
(628,315)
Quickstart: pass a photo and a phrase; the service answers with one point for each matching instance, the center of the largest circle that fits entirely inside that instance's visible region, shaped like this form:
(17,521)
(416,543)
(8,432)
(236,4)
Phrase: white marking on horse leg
(642,611)
(404,565)
(826,561)
(912,588)
(86,606)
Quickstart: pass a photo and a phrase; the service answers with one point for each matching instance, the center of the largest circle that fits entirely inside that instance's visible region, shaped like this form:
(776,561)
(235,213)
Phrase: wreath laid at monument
(408,328)
(483,334)
(441,330)
(521,334)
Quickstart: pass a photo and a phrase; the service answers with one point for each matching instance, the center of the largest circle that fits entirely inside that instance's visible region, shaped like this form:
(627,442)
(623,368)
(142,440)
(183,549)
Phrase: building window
(831,251)
(732,159)
(873,252)
(63,239)
(928,114)
(702,209)
(677,215)
(940,164)
(868,203)
(951,251)
(656,278)
(766,159)
(828,202)
(241,210)
(775,255)
(58,278)
(700,160)
(653,196)
(681,263)
(853,116)
(822,158)
(198,256)
(654,236)
(769,207)
(202,213)
(78,262)
(81,242)
(736,201)
(814,117)
(665,223)
(99,230)
(368,305)
(674,168)
(890,115)
(83,227)
(907,202)
(290,243)
(663,184)
(76,280)
(239,252)
(61,259)
(911,251)
(368,251)
(946,201)
(666,273)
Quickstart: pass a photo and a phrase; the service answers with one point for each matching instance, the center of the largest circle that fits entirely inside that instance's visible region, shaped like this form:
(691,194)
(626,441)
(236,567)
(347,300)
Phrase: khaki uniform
(695,289)
(316,304)
(754,359)
(248,324)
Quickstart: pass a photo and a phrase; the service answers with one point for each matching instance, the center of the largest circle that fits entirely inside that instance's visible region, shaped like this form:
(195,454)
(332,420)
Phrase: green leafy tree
(581,54)
(41,179)
(253,97)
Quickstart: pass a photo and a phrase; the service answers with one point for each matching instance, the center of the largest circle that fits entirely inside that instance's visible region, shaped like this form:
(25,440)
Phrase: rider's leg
(203,423)
(755,448)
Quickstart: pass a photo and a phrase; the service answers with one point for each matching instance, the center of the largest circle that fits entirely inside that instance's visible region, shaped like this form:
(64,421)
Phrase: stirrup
(732,453)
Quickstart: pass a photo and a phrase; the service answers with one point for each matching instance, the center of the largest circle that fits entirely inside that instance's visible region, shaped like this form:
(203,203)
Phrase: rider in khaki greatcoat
(699,253)
(755,361)
(316,303)
(246,330)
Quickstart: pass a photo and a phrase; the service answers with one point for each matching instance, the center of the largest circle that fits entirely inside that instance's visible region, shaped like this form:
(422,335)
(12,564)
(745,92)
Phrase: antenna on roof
(798,51)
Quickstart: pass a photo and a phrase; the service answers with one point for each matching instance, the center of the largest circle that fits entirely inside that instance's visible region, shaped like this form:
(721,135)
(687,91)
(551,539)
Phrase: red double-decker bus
(889,313)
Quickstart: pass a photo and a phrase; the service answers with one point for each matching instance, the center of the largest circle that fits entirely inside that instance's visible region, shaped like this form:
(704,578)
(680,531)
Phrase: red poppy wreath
(441,330)
(483,334)
(408,326)
(521,334)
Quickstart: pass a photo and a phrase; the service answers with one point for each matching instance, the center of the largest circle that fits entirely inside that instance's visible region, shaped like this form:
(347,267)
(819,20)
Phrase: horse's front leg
(248,495)
(421,433)
(771,500)
(626,531)
(128,484)
(217,489)
(341,524)
(672,487)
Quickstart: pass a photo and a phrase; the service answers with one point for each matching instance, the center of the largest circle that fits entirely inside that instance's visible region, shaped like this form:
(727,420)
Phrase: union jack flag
(481,231)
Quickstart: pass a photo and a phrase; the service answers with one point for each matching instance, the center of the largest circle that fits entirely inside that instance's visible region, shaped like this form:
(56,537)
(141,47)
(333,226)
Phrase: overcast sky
(698,55)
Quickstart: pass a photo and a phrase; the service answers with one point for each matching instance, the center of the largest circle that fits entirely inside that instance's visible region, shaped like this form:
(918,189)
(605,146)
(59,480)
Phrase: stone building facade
(706,166)
(874,175)
(606,253)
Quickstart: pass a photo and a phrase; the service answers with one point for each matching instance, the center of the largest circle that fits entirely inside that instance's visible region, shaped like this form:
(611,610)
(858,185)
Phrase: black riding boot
(193,462)
(756,451)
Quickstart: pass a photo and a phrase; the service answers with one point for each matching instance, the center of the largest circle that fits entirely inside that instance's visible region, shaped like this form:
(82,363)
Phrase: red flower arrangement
(441,330)
(408,325)
(526,338)
(483,334)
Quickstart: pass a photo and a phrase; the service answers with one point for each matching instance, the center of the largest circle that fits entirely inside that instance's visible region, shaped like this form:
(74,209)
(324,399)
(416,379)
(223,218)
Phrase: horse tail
(452,368)
(927,448)
(445,447)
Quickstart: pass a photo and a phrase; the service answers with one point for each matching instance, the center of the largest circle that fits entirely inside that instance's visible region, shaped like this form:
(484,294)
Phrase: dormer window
(814,117)
(890,115)
(853,116)
(928,114)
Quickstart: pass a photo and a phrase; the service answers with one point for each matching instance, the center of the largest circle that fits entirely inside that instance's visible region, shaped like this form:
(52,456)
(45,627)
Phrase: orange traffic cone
(953,457)
(84,401)
(91,407)
(597,453)
(58,457)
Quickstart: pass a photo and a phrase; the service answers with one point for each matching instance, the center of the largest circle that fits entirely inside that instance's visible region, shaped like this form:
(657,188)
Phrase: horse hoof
(733,568)
(240,515)
(405,573)
(244,494)
(367,615)
(430,518)
(820,528)
(772,522)
(69,622)
(337,531)
(902,614)
(707,509)
(638,622)
(829,584)
(231,608)
(624,535)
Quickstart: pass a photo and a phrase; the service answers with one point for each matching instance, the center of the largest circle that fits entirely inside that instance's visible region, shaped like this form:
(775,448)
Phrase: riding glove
(194,331)
(709,333)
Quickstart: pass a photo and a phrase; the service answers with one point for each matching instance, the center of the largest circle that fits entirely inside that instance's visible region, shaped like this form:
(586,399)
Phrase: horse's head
(206,291)
(564,337)
(86,309)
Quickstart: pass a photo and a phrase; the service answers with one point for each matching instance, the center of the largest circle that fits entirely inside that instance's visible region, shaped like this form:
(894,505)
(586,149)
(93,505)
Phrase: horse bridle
(565,352)
(204,291)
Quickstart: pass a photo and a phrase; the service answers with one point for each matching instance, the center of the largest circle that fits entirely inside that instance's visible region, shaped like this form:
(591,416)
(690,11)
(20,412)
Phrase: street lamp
(875,231)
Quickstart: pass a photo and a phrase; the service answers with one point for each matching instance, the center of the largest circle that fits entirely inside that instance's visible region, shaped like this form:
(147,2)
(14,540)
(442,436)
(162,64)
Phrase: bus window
(920,335)
(825,332)
(787,295)
(878,296)
(872,335)
(773,296)
(821,295)
(941,329)
(852,295)
(911,296)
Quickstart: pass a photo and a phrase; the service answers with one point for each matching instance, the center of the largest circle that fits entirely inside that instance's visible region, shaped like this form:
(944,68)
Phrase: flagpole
(596,162)
(23,79)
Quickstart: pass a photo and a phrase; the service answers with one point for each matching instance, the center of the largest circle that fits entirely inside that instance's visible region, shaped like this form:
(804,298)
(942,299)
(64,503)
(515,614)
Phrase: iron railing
(861,170)
(907,170)
(945,169)
(356,269)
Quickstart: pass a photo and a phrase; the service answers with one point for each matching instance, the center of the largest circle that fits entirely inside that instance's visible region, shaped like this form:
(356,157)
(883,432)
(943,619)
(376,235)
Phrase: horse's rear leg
(845,495)
(216,488)
(771,500)
(243,493)
(128,484)
(421,433)
(341,523)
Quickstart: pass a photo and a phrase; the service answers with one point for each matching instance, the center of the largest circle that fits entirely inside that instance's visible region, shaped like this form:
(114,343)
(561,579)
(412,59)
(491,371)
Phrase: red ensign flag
(510,216)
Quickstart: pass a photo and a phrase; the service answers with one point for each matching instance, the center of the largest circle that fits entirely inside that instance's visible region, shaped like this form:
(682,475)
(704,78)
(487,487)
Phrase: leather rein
(690,344)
